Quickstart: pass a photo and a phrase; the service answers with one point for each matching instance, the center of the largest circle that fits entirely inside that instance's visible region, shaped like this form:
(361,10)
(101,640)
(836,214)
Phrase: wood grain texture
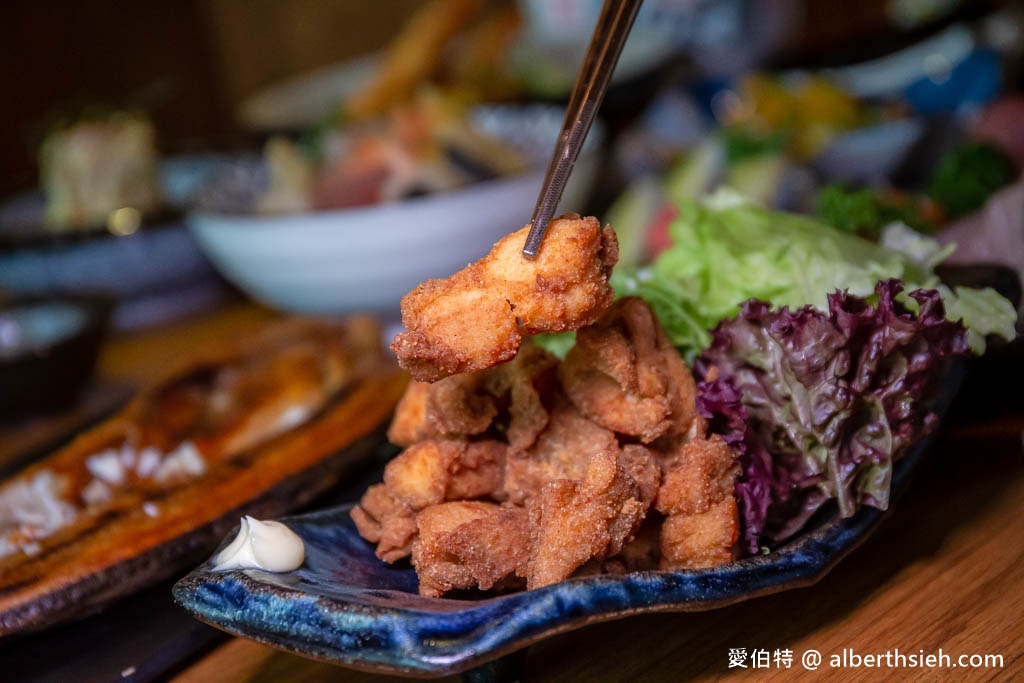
(946,570)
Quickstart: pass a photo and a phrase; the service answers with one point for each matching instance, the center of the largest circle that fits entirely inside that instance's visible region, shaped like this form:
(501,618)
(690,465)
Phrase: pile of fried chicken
(520,470)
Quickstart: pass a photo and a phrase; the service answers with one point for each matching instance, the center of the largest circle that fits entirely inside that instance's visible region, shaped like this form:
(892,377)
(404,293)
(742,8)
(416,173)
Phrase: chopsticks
(603,52)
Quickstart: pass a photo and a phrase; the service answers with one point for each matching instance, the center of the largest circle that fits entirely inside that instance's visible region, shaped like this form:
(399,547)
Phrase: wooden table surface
(944,573)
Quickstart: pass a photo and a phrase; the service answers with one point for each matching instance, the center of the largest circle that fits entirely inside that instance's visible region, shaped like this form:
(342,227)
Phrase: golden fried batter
(475,318)
(562,451)
(455,325)
(478,472)
(419,476)
(468,404)
(702,540)
(460,406)
(521,383)
(469,544)
(429,472)
(566,286)
(530,470)
(387,522)
(697,495)
(423,475)
(698,474)
(642,553)
(640,464)
(438,574)
(576,521)
(625,374)
(453,407)
(410,423)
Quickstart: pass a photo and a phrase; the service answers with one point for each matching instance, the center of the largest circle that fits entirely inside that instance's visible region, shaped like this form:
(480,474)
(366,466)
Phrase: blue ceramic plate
(347,607)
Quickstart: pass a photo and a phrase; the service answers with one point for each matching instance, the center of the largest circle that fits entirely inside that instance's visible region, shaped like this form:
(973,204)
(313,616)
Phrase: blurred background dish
(545,71)
(521,51)
(366,258)
(149,264)
(303,101)
(869,154)
(891,74)
(48,351)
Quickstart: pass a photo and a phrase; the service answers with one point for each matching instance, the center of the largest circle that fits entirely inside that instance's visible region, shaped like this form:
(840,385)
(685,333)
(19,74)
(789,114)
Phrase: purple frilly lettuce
(820,404)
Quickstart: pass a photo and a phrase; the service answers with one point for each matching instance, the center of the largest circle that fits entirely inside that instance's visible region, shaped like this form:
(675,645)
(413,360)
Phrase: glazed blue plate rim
(379,629)
(392,631)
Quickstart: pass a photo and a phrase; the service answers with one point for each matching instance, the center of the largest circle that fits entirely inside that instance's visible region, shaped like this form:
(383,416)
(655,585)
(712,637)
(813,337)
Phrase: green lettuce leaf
(727,250)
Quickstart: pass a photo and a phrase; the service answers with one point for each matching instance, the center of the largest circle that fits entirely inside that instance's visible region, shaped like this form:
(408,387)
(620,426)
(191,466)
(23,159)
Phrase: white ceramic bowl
(365,259)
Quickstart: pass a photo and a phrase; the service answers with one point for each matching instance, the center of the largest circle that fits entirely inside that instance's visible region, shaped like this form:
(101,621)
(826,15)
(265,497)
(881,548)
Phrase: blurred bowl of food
(492,51)
(384,237)
(48,350)
(303,101)
(870,153)
(108,217)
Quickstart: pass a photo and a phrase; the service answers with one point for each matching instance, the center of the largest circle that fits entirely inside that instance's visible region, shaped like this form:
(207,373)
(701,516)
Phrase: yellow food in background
(811,112)
(413,55)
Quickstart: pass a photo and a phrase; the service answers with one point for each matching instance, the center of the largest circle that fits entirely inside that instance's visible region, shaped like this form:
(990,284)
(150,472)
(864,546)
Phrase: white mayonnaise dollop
(270,546)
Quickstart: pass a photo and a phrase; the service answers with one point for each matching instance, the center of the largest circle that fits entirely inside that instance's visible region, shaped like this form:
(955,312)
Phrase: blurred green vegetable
(557,343)
(864,212)
(968,175)
(728,250)
(741,144)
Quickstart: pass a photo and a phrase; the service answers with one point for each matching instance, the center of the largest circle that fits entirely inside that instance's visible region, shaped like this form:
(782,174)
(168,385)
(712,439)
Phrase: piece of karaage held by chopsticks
(477,317)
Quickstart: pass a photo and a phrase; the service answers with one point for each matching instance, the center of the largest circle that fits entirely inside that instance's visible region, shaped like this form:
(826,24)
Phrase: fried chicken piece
(562,451)
(566,286)
(633,507)
(702,540)
(455,325)
(697,495)
(460,405)
(640,464)
(476,318)
(575,521)
(521,383)
(625,374)
(453,407)
(419,475)
(467,404)
(430,472)
(469,544)
(389,523)
(410,423)
(437,573)
(699,474)
(642,553)
(424,475)
(478,472)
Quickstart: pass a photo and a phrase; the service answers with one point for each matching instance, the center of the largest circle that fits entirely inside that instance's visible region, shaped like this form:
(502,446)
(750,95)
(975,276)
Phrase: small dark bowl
(48,350)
